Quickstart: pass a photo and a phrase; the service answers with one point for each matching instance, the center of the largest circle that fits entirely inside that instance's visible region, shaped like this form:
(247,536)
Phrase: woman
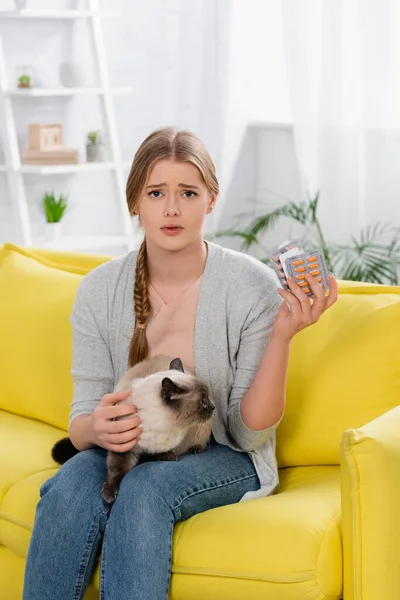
(220,311)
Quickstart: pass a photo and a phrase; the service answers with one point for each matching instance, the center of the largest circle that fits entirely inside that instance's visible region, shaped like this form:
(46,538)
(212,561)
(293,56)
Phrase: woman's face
(176,196)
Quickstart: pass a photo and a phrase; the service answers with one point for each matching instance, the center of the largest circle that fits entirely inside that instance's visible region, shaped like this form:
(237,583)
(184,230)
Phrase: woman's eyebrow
(184,185)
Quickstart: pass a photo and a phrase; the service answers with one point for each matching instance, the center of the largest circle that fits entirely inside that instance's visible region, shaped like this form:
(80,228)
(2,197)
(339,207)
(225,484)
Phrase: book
(50,157)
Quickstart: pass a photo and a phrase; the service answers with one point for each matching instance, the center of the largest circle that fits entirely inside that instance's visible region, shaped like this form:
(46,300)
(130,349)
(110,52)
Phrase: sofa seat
(287,546)
(25,463)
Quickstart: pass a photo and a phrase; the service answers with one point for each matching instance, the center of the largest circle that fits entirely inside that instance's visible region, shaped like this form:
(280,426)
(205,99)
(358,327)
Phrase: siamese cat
(175,413)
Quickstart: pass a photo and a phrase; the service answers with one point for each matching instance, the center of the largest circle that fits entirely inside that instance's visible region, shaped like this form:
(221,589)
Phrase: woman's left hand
(301,312)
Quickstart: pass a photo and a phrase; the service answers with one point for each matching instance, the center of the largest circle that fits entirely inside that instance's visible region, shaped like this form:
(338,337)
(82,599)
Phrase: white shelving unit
(55,14)
(49,92)
(65,169)
(85,243)
(16,172)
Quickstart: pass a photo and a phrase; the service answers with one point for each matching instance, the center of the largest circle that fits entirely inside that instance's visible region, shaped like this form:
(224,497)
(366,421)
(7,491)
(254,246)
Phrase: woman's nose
(171,210)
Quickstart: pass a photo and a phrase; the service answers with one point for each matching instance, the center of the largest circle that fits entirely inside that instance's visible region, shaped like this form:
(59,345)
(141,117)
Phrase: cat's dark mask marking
(170,390)
(183,394)
(177,365)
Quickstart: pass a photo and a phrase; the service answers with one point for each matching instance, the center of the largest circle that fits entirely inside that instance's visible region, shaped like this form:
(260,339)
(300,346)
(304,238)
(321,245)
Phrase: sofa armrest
(370,488)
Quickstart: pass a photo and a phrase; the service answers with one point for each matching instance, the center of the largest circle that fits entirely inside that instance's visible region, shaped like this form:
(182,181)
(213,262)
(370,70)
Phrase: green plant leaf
(373,257)
(368,258)
(54,209)
(94,137)
(248,237)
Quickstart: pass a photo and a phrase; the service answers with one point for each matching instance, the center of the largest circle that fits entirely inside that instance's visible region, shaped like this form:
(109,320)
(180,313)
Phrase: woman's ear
(211,204)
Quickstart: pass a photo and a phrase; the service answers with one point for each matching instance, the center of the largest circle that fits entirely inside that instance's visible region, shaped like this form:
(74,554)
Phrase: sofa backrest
(37,290)
(344,371)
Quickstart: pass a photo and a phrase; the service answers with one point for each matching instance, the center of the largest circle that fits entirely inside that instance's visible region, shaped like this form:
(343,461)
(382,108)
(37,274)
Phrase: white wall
(216,67)
(173,53)
(258,89)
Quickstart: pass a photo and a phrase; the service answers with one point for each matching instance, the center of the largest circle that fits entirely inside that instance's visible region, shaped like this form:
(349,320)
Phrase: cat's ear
(169,388)
(177,365)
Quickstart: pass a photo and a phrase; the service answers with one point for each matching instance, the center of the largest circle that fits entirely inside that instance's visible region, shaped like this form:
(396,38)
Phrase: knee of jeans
(146,483)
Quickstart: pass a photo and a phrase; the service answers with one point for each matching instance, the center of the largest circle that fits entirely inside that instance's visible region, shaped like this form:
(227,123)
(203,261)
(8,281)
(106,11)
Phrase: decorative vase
(71,74)
(95,153)
(53,231)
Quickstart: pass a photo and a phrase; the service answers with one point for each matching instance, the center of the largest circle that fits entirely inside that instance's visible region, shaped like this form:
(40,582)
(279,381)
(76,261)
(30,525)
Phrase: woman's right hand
(118,436)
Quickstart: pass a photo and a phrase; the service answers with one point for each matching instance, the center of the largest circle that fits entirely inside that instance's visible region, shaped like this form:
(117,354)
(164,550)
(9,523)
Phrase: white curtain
(343,67)
(175,54)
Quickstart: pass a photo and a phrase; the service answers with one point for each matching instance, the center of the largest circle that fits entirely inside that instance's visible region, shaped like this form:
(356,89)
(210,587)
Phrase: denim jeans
(73,524)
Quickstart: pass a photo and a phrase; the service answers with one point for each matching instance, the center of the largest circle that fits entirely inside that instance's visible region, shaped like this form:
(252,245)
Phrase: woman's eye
(158,194)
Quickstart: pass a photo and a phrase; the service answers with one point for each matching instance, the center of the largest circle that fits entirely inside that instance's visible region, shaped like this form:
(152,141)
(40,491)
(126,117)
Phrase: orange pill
(319,279)
(306,290)
(314,273)
(300,269)
(303,283)
(313,266)
(297,262)
(300,276)
(312,258)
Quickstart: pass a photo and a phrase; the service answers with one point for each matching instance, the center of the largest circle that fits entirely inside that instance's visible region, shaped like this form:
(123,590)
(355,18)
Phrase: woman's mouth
(171,230)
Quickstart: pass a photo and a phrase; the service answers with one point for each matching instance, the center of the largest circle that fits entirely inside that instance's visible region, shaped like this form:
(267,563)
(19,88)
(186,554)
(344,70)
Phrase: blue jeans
(73,523)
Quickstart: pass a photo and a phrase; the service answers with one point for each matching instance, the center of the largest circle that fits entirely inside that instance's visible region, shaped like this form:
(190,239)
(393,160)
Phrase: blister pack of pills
(290,260)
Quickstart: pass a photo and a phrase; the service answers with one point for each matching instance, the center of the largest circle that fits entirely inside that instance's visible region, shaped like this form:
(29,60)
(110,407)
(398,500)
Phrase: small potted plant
(94,147)
(24,81)
(54,209)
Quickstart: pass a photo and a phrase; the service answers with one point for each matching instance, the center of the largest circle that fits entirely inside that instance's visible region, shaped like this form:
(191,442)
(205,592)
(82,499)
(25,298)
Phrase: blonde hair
(166,143)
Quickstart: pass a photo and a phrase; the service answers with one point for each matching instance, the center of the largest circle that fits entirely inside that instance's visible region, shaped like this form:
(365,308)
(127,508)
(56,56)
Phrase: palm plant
(374,257)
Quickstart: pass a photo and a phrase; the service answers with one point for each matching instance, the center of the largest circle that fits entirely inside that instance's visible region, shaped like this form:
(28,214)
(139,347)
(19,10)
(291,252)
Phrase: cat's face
(188,397)
(172,398)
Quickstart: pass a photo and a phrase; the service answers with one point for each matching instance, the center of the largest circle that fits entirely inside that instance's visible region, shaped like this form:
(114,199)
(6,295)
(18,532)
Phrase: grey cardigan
(236,310)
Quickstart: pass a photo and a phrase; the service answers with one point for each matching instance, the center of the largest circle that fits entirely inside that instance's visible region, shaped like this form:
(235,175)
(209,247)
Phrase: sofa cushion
(25,463)
(35,344)
(24,448)
(344,372)
(74,262)
(286,546)
(77,262)
(11,574)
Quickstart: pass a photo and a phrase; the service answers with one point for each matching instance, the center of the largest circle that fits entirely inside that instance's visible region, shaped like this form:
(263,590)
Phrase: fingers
(295,308)
(303,299)
(319,303)
(119,412)
(333,291)
(122,426)
(124,438)
(113,398)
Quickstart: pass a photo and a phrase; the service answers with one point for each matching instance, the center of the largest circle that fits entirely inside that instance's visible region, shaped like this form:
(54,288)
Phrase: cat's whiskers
(199,433)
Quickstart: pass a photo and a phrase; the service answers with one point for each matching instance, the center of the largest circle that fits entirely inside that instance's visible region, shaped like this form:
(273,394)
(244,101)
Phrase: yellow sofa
(333,528)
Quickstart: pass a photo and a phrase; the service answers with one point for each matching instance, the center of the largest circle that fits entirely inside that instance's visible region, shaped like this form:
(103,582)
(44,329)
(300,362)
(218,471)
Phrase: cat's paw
(195,450)
(108,493)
